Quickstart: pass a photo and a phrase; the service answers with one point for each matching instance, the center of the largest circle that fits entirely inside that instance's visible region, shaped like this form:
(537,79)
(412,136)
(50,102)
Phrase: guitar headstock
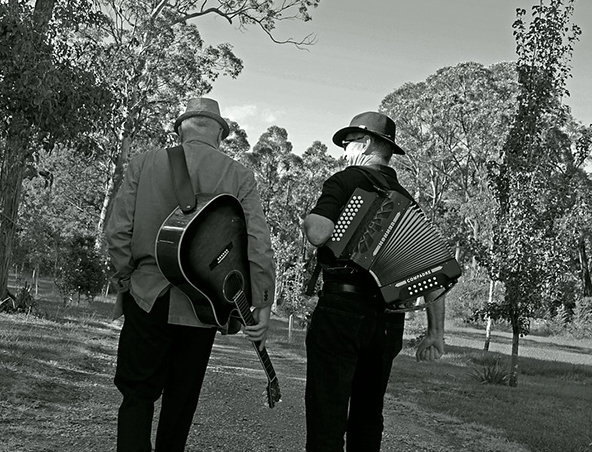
(273,393)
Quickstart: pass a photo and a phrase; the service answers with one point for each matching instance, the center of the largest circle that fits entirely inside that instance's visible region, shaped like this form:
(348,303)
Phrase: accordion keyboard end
(411,304)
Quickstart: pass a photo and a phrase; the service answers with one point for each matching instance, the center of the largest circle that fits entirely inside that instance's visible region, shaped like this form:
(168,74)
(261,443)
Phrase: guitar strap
(183,189)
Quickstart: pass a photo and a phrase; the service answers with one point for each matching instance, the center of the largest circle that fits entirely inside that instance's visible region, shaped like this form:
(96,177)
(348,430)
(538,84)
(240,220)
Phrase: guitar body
(196,251)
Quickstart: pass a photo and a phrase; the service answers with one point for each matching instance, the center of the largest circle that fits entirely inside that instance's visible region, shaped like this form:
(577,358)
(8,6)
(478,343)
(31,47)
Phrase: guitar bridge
(221,256)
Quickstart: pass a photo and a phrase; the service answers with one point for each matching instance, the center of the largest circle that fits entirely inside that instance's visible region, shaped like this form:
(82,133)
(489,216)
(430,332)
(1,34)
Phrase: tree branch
(203,13)
(158,9)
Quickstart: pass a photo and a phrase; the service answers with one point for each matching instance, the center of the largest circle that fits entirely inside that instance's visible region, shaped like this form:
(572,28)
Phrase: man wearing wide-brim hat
(164,346)
(352,340)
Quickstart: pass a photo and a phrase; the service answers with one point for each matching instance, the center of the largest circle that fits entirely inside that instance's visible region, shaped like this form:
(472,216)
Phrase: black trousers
(157,359)
(350,348)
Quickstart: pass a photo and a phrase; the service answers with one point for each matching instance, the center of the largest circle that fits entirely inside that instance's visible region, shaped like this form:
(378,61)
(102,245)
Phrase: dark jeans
(350,348)
(155,358)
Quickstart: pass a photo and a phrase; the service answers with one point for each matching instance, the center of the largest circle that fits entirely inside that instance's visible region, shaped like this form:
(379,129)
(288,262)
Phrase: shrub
(492,371)
(581,321)
(22,302)
(82,271)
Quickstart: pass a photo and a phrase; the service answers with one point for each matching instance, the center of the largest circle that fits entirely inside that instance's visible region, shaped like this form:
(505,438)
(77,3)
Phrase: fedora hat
(203,106)
(372,123)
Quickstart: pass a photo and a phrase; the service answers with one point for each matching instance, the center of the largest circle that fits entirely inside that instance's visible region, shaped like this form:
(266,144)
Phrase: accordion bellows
(389,235)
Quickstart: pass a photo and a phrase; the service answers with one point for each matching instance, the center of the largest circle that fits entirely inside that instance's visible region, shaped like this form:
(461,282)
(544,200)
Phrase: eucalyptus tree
(525,254)
(236,144)
(273,162)
(47,95)
(571,197)
(451,125)
(317,166)
(155,58)
(289,186)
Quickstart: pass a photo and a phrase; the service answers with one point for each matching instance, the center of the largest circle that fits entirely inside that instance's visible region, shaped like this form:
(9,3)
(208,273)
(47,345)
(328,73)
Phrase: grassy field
(46,359)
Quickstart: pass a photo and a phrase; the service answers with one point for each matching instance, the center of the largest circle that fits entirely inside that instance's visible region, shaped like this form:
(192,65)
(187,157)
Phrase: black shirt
(336,192)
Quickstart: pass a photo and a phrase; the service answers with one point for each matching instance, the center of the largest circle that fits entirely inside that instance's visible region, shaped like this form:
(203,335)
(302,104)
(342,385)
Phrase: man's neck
(376,160)
(201,140)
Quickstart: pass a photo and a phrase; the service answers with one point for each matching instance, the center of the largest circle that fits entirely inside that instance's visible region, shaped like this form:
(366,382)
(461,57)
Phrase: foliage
(44,88)
(82,270)
(468,299)
(237,143)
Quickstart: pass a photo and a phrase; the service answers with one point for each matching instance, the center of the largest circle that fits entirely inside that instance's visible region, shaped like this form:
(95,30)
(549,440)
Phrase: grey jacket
(145,200)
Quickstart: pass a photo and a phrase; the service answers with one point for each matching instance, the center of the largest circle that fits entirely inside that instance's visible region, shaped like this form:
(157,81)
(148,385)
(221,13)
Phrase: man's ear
(367,144)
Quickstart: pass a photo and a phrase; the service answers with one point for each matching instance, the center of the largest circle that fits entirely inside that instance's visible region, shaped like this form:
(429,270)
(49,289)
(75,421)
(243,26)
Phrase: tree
(274,165)
(46,95)
(452,124)
(154,58)
(525,255)
(82,271)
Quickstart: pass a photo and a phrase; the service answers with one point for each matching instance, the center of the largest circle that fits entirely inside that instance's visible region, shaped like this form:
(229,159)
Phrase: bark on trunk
(42,14)
(11,178)
(113,183)
(489,322)
(513,382)
(585,270)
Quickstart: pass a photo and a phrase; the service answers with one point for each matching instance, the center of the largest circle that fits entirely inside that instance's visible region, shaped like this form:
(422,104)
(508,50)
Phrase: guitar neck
(245,312)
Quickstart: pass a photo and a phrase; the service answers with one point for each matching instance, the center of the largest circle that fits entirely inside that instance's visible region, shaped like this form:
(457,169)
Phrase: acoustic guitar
(204,254)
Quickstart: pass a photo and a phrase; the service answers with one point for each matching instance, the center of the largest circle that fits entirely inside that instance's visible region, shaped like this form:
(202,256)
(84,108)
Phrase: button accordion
(388,235)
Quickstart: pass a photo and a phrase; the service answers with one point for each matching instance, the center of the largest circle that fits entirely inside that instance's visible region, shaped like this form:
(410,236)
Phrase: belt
(349,288)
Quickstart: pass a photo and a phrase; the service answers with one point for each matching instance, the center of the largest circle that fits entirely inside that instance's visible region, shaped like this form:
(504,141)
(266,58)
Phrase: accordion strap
(183,188)
(312,282)
(375,177)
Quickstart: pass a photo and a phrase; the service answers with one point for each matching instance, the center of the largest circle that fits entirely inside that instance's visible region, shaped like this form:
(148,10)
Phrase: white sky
(365,50)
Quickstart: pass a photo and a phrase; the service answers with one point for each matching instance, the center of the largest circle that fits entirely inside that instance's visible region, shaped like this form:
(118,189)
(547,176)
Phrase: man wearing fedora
(164,348)
(352,340)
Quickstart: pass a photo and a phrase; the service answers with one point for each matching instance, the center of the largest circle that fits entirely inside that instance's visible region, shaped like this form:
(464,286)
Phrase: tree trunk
(42,14)
(115,179)
(11,178)
(513,382)
(488,329)
(585,270)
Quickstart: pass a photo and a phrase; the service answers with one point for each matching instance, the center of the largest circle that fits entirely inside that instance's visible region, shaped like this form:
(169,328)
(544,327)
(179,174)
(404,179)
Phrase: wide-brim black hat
(203,106)
(373,123)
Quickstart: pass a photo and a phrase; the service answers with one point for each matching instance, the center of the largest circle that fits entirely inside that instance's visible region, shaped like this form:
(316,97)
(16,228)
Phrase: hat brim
(342,133)
(191,114)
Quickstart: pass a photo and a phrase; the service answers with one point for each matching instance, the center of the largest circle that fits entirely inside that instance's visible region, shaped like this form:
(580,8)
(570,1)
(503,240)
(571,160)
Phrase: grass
(549,411)
(44,362)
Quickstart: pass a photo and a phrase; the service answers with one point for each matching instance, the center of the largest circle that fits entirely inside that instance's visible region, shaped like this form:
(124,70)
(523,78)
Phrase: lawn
(46,358)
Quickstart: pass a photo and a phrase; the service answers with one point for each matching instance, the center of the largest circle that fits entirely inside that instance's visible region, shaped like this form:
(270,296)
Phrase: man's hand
(258,332)
(430,348)
(432,345)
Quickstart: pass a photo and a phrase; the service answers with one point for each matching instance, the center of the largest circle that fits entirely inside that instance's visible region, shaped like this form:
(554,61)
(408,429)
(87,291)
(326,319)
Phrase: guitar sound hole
(233,284)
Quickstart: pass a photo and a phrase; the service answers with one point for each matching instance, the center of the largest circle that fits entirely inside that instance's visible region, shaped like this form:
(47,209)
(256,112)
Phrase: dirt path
(78,411)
